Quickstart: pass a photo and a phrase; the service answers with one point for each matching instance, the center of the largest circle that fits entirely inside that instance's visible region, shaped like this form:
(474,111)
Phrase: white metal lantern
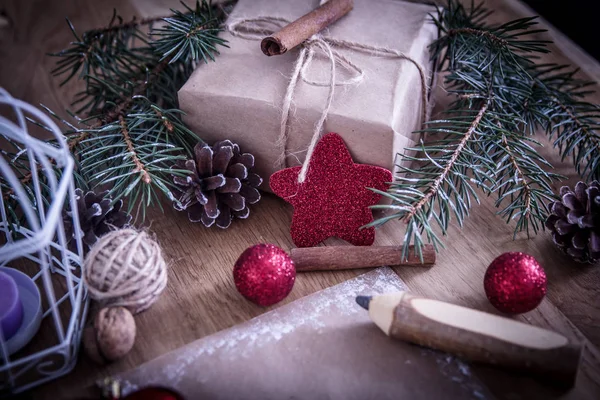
(34,247)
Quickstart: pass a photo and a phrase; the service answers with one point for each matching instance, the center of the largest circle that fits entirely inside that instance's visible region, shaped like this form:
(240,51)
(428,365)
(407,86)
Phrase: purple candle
(11,309)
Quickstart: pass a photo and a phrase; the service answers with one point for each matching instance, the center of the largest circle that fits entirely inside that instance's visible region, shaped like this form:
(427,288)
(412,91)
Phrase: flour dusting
(305,312)
(327,314)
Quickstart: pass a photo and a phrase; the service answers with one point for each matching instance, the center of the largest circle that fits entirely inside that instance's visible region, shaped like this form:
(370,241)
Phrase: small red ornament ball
(264,274)
(515,283)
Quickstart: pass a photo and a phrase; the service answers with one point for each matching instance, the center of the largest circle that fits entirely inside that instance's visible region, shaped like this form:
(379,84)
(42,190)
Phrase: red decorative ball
(515,283)
(264,274)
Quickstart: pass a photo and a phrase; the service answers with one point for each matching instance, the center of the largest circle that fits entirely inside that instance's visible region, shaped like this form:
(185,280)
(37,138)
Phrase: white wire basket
(33,241)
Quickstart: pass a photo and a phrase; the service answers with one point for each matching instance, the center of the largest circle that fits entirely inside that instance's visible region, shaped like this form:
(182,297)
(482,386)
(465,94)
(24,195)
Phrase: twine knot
(256,28)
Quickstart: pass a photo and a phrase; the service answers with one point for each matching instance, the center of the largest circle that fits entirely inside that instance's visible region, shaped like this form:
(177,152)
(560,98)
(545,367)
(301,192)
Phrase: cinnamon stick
(331,258)
(304,27)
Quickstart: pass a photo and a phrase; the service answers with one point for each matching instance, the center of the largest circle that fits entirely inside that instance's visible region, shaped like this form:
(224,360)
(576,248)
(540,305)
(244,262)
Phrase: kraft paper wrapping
(322,346)
(240,96)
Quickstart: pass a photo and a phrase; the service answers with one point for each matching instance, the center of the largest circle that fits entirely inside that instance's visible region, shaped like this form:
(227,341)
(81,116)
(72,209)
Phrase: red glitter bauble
(264,274)
(334,199)
(515,283)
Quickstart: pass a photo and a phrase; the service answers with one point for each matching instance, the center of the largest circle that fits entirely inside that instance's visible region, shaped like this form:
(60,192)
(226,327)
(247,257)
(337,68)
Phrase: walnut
(111,336)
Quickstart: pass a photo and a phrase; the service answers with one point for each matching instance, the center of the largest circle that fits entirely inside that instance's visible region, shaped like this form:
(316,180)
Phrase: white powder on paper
(308,313)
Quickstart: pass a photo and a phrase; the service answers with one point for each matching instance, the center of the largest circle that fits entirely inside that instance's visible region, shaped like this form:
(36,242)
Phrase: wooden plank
(201,298)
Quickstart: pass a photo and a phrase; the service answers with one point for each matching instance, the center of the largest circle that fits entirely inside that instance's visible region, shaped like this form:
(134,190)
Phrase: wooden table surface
(201,297)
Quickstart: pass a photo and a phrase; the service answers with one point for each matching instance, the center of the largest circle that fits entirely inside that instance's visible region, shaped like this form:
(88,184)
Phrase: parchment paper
(240,96)
(322,346)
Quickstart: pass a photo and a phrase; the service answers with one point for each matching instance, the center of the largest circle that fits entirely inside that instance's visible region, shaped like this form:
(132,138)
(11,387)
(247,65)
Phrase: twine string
(322,44)
(125,268)
(281,142)
(258,27)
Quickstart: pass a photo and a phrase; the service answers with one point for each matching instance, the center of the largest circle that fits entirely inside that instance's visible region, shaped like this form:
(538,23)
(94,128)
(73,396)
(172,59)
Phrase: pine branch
(140,87)
(580,139)
(139,166)
(519,176)
(478,32)
(132,157)
(441,178)
(132,133)
(117,113)
(442,185)
(522,183)
(557,106)
(189,36)
(491,69)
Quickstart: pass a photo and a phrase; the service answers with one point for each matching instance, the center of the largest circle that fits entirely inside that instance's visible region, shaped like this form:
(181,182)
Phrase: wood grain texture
(201,297)
(333,258)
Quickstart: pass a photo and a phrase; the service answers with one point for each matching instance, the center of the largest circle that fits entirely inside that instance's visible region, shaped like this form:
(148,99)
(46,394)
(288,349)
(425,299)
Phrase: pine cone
(97,217)
(575,222)
(220,186)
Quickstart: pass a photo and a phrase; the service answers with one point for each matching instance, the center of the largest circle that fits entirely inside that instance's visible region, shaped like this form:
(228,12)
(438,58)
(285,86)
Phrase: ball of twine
(125,268)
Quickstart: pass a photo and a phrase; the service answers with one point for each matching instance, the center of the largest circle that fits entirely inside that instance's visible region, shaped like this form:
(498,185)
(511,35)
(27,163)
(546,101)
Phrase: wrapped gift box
(240,96)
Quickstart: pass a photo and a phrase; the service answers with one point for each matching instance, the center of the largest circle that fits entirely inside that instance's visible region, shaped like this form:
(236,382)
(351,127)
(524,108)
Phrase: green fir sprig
(483,142)
(129,131)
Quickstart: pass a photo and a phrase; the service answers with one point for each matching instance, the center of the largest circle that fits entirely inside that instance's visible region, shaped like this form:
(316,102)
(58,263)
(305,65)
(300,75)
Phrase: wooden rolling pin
(329,258)
(475,335)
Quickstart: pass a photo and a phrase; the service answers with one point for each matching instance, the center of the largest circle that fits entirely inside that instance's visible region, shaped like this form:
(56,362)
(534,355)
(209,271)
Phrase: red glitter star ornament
(334,199)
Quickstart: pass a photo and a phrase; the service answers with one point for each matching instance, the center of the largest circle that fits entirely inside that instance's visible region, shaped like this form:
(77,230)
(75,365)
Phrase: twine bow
(258,27)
